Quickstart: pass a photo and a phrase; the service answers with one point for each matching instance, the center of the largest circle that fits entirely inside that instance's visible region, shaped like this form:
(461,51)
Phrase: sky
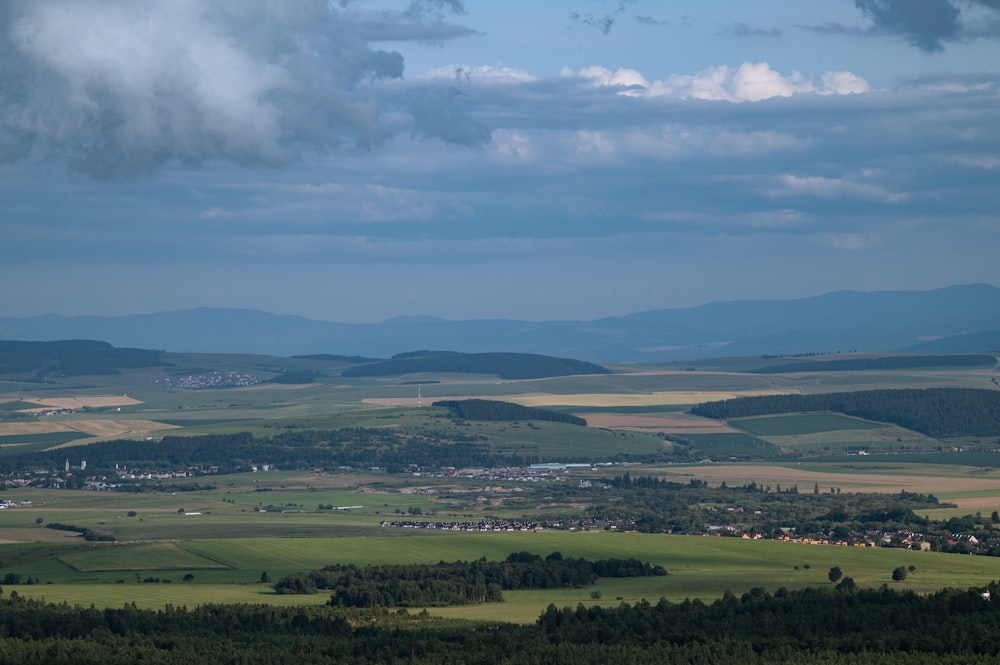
(358,160)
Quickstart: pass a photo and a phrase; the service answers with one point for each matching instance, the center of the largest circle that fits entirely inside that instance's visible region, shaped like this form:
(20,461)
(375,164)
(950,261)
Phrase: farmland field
(699,567)
(802,424)
(226,530)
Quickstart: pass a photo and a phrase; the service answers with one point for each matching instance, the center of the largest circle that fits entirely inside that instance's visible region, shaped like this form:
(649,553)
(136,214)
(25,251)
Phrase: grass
(700,567)
(145,556)
(730,444)
(802,424)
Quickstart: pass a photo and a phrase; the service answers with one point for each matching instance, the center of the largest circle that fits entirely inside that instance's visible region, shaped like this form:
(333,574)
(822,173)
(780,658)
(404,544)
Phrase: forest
(71,358)
(489,409)
(935,412)
(841,624)
(457,583)
(504,365)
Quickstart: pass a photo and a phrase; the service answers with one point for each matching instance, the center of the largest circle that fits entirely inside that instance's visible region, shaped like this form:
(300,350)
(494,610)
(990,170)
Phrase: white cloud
(750,82)
(479,73)
(828,188)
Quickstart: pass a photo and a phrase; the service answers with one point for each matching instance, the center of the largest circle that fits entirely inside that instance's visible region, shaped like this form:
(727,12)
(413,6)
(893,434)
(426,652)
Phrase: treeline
(881,363)
(72,358)
(811,626)
(488,409)
(457,583)
(935,412)
(88,534)
(504,365)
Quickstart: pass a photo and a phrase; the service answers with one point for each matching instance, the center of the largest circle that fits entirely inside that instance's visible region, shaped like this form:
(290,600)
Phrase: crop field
(210,538)
(802,424)
(849,477)
(723,445)
(699,567)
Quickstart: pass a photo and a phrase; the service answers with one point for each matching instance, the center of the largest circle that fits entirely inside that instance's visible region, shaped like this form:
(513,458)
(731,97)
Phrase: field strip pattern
(148,556)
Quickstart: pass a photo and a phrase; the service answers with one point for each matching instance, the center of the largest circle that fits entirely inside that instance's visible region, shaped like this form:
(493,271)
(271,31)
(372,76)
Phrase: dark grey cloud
(929,25)
(118,87)
(650,20)
(926,24)
(602,20)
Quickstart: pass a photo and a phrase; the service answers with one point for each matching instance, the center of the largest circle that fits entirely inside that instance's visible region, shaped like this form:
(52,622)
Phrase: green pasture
(953,377)
(631,382)
(728,444)
(700,567)
(153,556)
(802,424)
(45,439)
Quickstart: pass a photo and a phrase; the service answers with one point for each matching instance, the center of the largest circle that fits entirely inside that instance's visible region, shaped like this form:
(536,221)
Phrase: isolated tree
(847,584)
(265,578)
(188,578)
(835,573)
(899,574)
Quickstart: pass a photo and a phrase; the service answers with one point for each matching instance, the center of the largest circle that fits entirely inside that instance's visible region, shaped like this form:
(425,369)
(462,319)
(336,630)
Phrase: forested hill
(935,412)
(71,358)
(504,365)
(488,409)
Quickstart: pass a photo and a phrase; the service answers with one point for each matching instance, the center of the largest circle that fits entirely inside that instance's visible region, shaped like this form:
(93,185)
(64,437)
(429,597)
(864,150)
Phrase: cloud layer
(123,87)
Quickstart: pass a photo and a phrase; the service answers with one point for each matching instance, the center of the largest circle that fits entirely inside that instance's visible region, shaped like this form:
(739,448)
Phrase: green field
(700,567)
(230,529)
(792,425)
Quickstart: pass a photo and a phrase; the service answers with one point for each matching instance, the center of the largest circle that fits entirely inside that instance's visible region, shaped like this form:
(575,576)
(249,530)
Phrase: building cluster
(77,477)
(213,379)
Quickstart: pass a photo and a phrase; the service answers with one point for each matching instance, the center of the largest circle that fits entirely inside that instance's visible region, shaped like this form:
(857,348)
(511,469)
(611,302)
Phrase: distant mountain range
(957,319)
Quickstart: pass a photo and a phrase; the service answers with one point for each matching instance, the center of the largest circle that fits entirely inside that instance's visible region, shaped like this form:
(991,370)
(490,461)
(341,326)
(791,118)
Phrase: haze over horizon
(359,160)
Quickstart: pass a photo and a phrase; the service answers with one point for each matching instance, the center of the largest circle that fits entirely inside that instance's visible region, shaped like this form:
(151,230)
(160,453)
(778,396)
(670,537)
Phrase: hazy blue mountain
(839,321)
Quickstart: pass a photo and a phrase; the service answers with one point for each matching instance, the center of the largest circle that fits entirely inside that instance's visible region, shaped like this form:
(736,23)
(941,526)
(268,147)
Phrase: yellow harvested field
(672,398)
(98,429)
(117,428)
(93,402)
(888,483)
(15,428)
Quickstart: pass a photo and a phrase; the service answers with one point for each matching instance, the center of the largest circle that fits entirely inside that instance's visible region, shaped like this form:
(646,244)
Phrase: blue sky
(358,160)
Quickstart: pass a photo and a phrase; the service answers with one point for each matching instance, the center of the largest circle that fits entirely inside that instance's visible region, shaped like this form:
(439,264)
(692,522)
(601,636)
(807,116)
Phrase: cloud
(601,21)
(750,82)
(923,23)
(119,88)
(829,188)
(747,30)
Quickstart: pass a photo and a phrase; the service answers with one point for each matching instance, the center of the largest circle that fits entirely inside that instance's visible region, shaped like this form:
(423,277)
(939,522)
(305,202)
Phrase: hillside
(38,360)
(504,365)
(963,319)
(936,412)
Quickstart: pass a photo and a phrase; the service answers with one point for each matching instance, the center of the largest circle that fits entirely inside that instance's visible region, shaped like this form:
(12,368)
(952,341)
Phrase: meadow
(699,567)
(226,531)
